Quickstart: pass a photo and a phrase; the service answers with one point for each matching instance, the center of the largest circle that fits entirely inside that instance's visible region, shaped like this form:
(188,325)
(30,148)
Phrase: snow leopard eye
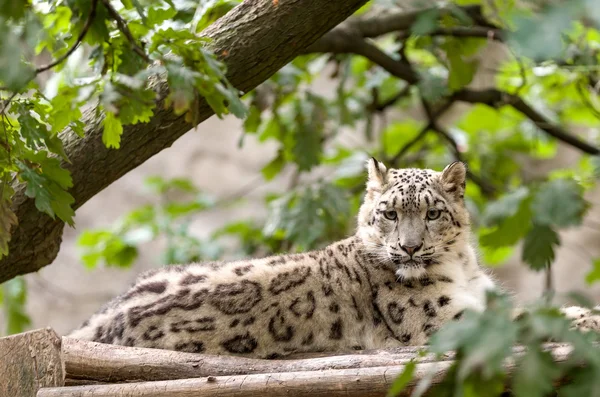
(433,214)
(391,215)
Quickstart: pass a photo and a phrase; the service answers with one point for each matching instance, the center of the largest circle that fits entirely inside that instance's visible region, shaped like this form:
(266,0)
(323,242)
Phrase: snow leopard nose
(411,249)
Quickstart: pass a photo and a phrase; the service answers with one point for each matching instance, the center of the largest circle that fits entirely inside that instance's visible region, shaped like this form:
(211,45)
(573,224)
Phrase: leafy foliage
(168,219)
(483,342)
(127,48)
(547,83)
(13,295)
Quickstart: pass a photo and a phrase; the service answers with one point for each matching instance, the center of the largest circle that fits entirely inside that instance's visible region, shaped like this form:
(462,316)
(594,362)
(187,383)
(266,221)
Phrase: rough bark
(255,40)
(350,382)
(101,363)
(29,361)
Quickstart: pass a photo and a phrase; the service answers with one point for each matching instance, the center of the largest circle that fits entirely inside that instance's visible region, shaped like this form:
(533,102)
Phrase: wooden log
(29,361)
(358,382)
(92,363)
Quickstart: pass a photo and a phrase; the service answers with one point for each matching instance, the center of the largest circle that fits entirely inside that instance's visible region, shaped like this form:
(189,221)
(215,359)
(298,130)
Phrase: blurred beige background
(64,294)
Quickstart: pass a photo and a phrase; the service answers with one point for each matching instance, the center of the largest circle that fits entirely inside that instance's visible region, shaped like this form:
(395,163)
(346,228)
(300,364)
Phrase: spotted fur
(393,283)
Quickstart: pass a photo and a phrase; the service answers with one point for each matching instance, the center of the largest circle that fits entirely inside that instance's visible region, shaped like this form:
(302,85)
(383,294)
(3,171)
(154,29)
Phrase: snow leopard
(410,267)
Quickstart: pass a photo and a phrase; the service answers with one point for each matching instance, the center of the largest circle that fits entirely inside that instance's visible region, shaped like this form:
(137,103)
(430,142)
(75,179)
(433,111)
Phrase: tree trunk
(255,40)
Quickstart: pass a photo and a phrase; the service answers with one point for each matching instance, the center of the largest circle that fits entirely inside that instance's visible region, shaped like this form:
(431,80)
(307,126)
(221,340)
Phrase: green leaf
(47,182)
(33,131)
(14,73)
(274,167)
(505,207)
(559,203)
(432,87)
(253,120)
(596,166)
(538,36)
(14,297)
(482,340)
(8,219)
(121,255)
(594,274)
(113,129)
(462,70)
(159,185)
(309,123)
(90,238)
(508,229)
(137,107)
(105,246)
(535,374)
(461,73)
(156,15)
(234,104)
(14,9)
(426,22)
(175,210)
(539,246)
(398,134)
(307,149)
(182,81)
(314,213)
(496,256)
(402,380)
(585,382)
(65,109)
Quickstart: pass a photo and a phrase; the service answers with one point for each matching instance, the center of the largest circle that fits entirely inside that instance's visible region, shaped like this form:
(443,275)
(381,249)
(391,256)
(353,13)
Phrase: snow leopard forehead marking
(409,187)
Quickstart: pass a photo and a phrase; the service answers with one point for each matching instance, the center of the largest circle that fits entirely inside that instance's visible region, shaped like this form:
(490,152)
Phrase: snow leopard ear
(377,175)
(454,178)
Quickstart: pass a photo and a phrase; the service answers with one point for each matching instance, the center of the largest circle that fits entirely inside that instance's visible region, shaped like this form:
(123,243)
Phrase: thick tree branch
(255,39)
(343,40)
(347,41)
(400,20)
(496,98)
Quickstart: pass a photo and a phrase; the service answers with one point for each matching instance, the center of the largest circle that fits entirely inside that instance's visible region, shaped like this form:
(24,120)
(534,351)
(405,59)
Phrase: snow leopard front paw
(583,319)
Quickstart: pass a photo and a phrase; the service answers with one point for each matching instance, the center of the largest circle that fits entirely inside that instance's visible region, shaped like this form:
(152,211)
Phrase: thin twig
(82,34)
(380,107)
(463,31)
(402,152)
(548,284)
(7,102)
(122,25)
(486,188)
(522,70)
(585,99)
